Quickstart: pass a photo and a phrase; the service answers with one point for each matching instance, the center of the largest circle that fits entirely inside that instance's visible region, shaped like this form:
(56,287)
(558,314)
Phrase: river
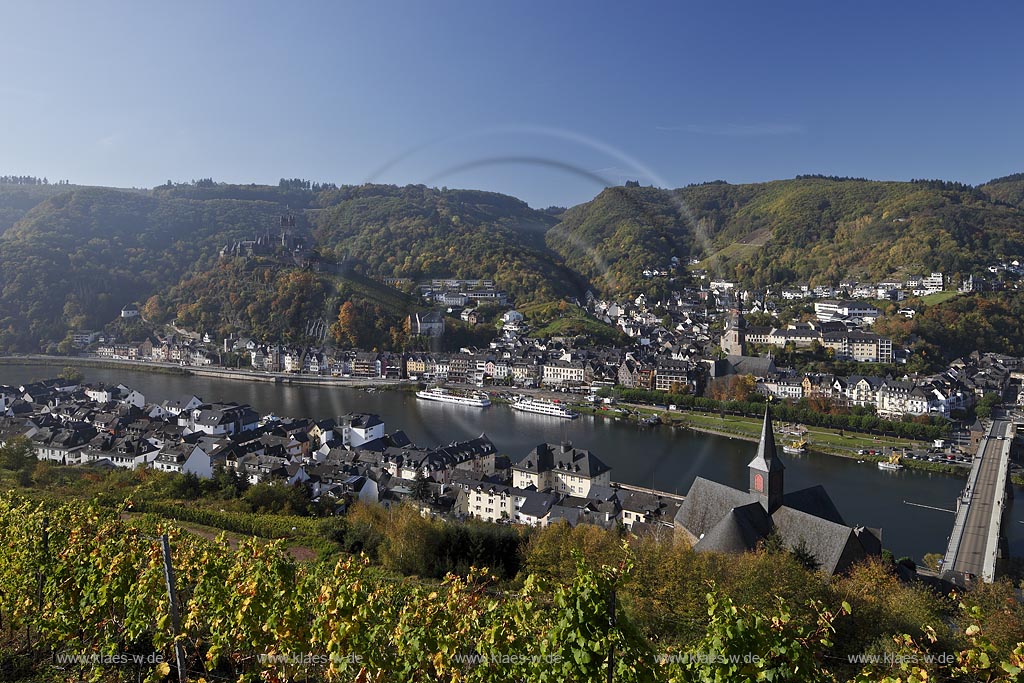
(661,458)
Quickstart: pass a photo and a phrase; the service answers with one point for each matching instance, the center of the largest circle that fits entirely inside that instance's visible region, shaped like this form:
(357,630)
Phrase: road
(970,557)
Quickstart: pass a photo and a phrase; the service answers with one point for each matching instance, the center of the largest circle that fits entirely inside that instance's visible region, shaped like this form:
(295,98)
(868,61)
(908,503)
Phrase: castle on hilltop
(266,244)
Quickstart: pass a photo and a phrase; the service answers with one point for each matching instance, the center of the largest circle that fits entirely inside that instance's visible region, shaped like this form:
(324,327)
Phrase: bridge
(974,544)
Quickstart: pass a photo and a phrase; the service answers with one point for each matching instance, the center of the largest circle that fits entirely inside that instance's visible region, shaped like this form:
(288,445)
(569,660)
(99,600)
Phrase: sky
(547,101)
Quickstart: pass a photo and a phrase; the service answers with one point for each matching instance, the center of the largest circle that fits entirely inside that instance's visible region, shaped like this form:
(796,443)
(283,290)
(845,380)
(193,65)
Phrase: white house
(560,468)
(130,396)
(359,428)
(183,459)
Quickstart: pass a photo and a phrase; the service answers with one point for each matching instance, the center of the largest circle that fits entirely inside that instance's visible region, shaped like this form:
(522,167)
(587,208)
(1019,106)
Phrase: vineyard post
(172,596)
(43,562)
(611,646)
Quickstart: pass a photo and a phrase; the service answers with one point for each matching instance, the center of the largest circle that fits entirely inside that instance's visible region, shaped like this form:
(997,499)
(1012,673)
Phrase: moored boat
(541,407)
(473,400)
(795,447)
(892,463)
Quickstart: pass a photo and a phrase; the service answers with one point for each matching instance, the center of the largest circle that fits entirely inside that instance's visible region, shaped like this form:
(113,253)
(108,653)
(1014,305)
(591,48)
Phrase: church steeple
(766,469)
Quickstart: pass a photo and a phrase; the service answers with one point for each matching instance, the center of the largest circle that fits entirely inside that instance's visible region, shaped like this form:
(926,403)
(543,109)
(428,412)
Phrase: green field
(820,440)
(939,297)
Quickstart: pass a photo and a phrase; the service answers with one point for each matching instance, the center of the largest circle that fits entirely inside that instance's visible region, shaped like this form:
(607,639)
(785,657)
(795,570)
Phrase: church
(719,518)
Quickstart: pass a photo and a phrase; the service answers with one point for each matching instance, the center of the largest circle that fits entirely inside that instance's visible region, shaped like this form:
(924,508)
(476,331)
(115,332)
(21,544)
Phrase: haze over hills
(71,256)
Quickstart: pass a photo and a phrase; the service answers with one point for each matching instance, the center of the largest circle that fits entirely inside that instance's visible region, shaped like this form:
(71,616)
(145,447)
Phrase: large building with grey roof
(560,468)
(719,518)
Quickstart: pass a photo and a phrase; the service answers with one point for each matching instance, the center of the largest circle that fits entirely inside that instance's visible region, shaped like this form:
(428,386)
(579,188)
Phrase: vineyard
(81,582)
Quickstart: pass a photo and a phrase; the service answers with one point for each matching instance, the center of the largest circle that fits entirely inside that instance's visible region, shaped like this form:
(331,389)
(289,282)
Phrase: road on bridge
(970,557)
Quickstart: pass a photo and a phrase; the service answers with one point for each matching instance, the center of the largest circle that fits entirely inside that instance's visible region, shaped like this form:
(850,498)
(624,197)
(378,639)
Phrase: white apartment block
(560,468)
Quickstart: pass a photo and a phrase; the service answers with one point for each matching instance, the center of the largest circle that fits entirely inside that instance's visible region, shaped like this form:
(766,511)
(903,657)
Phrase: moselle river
(660,458)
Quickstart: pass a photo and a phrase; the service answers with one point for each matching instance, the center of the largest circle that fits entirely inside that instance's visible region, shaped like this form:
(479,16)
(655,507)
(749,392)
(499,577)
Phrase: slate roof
(739,530)
(752,365)
(360,420)
(546,457)
(536,504)
(707,503)
(813,500)
(835,546)
(724,519)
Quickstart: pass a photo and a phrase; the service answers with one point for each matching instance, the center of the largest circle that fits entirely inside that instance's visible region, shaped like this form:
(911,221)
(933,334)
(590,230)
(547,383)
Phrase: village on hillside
(689,343)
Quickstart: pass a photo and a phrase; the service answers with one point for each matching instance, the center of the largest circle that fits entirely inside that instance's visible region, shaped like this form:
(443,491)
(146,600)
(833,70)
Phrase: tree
(72,374)
(153,310)
(933,561)
(186,486)
(732,388)
(17,454)
(346,329)
(421,486)
(802,553)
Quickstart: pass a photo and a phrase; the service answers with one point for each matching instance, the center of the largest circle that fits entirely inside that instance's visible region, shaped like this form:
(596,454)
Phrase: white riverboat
(473,400)
(533,405)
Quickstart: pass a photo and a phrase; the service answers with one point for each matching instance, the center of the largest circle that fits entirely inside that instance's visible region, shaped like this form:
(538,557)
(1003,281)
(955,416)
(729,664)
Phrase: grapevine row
(83,581)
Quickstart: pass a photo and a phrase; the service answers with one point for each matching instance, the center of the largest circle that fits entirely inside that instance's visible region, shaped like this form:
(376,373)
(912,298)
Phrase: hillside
(419,232)
(75,257)
(71,256)
(16,200)
(808,229)
(619,233)
(1008,189)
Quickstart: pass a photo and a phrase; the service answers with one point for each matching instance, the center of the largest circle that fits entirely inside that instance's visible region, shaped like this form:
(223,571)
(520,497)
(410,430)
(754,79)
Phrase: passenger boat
(532,405)
(473,400)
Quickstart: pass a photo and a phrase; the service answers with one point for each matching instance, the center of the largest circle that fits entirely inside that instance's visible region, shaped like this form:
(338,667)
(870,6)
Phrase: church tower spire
(767,468)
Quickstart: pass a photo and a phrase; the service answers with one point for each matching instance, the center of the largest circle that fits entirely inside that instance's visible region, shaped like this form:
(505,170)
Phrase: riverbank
(76,361)
(220,373)
(818,440)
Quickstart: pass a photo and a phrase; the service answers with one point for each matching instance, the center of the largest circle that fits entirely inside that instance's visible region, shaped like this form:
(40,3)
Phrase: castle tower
(766,469)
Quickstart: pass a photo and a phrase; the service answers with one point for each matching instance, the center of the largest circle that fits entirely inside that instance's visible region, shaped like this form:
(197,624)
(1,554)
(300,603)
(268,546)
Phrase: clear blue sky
(541,100)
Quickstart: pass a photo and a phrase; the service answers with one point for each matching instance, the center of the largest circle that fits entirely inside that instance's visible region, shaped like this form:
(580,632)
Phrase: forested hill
(71,256)
(75,259)
(16,199)
(1009,189)
(807,229)
(77,255)
(419,232)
